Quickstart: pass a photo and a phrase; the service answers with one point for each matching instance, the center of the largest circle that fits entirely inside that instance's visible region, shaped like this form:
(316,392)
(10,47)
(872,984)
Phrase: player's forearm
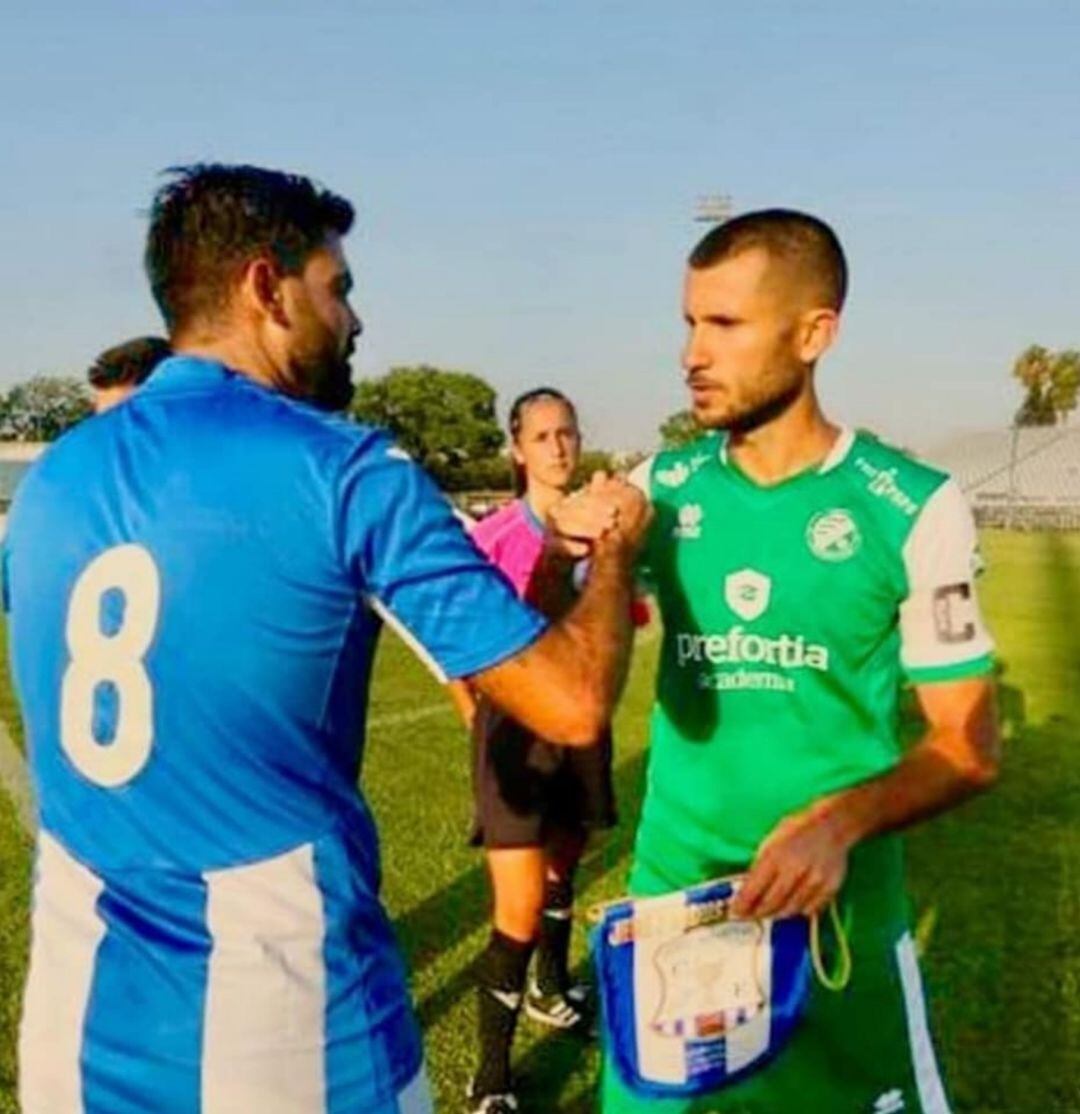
(551,589)
(464,703)
(943,770)
(565,685)
(600,623)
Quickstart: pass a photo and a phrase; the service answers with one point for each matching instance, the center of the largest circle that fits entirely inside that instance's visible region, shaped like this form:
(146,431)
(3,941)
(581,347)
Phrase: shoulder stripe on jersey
(641,475)
(839,452)
(66,930)
(263,1043)
(406,636)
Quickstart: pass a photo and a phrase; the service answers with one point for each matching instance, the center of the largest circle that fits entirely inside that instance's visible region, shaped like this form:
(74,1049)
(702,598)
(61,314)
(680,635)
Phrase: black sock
(553,952)
(501,976)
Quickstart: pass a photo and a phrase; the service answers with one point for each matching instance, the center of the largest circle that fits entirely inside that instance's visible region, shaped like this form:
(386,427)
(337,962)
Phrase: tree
(1051,382)
(43,407)
(593,460)
(679,429)
(444,419)
(1035,410)
(1065,382)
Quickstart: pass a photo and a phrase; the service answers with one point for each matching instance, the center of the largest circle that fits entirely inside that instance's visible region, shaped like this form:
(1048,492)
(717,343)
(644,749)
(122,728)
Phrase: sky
(526,176)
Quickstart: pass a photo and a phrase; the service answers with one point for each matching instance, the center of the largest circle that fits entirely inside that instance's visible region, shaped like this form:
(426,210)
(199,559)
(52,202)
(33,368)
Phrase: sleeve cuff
(954,671)
(465,665)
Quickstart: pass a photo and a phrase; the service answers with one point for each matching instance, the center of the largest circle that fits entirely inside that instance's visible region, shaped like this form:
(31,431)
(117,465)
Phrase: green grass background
(996,884)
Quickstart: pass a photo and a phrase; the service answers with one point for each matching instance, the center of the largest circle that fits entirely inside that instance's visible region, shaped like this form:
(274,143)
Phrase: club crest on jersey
(833,536)
(747,593)
(690,518)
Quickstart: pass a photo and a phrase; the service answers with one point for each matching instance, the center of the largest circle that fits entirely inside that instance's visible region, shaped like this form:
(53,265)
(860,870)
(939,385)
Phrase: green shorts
(864,1050)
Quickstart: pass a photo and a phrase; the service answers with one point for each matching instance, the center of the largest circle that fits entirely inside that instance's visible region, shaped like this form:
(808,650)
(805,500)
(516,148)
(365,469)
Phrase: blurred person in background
(120,369)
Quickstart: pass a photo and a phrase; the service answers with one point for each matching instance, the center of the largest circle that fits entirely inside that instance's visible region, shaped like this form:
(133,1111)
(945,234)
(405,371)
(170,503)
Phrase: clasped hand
(607,508)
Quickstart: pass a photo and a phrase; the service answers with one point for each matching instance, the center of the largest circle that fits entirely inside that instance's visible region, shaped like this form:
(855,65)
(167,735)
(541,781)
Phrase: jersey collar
(837,454)
(531,517)
(180,373)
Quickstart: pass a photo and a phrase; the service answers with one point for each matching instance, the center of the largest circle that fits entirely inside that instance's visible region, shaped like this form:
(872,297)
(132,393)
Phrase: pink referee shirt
(512,538)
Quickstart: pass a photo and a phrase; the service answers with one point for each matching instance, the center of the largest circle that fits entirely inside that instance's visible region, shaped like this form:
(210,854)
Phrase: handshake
(607,514)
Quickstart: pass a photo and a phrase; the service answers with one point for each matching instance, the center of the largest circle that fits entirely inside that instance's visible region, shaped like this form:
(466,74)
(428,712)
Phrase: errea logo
(675,476)
(891,1102)
(690,518)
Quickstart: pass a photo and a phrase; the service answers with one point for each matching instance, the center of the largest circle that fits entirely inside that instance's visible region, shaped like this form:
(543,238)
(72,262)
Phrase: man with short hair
(196,580)
(804,572)
(121,369)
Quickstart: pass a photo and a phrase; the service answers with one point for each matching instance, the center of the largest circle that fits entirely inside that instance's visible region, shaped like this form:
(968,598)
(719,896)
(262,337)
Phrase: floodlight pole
(1013,453)
(714,208)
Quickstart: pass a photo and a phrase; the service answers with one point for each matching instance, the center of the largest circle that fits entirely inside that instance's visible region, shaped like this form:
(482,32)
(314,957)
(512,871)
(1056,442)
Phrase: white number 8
(97,658)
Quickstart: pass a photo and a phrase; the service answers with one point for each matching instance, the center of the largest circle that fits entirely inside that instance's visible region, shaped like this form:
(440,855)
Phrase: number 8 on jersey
(98,658)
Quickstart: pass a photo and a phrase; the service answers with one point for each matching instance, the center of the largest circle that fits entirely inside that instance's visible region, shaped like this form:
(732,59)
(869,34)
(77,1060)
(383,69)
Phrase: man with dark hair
(122,368)
(804,251)
(192,664)
(206,226)
(804,572)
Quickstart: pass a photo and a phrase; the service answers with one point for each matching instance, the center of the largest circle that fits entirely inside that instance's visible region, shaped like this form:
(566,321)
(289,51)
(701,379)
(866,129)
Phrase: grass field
(996,885)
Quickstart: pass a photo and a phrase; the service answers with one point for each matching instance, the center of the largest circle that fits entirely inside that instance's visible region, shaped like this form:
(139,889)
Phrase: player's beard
(333,387)
(762,401)
(323,375)
(762,409)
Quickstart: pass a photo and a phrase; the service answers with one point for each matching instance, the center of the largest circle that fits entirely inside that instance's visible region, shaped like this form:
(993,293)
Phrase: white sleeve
(942,634)
(641,476)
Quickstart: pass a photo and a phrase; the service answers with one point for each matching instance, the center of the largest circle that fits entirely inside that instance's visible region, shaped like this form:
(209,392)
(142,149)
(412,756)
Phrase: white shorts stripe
(924,1061)
(416,1098)
(263,1034)
(66,931)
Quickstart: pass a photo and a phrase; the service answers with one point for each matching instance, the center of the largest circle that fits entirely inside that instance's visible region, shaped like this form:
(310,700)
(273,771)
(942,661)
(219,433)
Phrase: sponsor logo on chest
(748,595)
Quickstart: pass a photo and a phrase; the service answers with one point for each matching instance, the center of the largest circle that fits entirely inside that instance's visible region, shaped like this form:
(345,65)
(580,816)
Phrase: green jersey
(792,614)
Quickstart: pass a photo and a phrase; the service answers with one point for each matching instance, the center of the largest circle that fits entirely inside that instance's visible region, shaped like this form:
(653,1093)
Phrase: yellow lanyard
(841,973)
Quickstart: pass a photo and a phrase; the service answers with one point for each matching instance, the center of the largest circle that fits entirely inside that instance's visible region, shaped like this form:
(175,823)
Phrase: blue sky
(526,175)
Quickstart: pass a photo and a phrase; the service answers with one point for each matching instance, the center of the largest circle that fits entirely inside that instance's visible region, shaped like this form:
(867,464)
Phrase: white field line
(396,719)
(444,707)
(15,778)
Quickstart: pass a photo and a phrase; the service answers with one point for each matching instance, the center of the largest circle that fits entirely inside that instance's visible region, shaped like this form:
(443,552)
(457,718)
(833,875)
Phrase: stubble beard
(334,387)
(323,376)
(764,403)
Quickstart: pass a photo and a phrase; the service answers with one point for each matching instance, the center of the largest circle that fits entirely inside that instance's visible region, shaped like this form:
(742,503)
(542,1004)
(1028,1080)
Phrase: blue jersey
(196,580)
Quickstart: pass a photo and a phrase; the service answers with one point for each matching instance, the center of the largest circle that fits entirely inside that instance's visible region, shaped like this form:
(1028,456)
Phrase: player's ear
(262,293)
(817,333)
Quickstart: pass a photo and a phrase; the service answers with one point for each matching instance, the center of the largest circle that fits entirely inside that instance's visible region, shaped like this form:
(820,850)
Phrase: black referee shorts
(525,787)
